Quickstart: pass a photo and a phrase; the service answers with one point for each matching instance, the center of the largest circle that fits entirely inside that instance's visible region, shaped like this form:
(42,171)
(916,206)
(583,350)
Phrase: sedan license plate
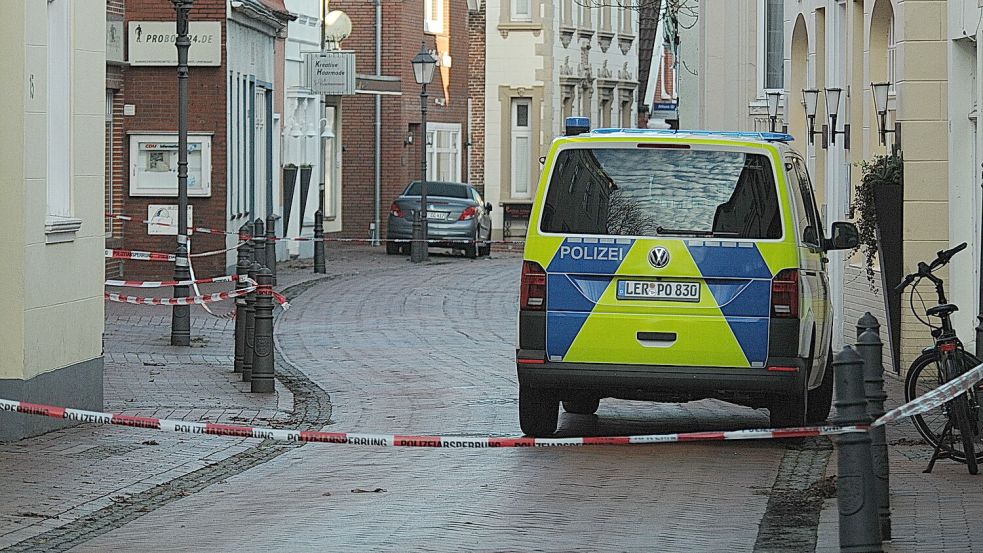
(658,290)
(437,215)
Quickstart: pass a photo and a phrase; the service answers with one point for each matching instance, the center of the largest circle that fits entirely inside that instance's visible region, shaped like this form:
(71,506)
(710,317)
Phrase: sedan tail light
(396,211)
(468,213)
(532,290)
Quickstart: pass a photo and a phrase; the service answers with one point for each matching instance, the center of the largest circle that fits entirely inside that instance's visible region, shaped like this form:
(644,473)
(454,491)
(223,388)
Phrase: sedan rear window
(662,192)
(444,189)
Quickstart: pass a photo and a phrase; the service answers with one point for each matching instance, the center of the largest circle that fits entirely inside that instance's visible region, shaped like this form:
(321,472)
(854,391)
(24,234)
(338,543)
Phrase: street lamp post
(423,66)
(181,314)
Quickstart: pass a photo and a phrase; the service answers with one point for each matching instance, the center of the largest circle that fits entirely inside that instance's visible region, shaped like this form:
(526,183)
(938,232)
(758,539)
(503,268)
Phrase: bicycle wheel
(926,374)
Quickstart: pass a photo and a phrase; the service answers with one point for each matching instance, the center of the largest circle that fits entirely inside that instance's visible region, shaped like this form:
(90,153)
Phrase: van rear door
(660,262)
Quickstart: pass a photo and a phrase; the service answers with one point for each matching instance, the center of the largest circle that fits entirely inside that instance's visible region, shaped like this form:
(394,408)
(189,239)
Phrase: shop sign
(152,43)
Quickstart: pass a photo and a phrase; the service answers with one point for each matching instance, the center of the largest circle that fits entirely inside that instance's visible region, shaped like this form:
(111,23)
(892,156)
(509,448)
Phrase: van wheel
(790,410)
(821,399)
(581,405)
(538,411)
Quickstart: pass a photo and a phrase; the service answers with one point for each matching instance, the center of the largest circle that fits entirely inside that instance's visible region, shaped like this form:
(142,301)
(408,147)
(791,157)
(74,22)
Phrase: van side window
(813,233)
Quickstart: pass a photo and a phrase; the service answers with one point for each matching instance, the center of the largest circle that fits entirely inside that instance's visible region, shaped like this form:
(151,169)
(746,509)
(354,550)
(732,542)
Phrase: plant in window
(882,170)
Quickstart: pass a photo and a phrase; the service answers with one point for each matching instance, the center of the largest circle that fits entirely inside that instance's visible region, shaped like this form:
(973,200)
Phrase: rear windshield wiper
(688,232)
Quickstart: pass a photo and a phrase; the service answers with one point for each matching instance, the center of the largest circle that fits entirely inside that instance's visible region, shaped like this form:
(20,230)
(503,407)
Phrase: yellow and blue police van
(675,266)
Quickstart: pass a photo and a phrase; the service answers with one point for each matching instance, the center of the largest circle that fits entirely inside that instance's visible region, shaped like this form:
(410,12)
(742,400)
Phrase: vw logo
(659,257)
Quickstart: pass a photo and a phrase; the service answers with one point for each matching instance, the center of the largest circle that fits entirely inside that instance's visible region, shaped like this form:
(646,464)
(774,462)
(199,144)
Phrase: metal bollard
(271,245)
(242,270)
(319,242)
(418,248)
(868,322)
(259,242)
(855,496)
(870,348)
(250,327)
(262,377)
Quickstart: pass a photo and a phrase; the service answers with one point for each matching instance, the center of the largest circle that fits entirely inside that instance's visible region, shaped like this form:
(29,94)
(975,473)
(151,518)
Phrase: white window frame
(197,188)
(59,112)
(516,15)
(433,22)
(455,150)
(520,132)
(762,51)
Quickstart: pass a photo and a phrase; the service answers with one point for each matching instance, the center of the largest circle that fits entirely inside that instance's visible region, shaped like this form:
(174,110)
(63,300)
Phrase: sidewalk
(937,512)
(78,473)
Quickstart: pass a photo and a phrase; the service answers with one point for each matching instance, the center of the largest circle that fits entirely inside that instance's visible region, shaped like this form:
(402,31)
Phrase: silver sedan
(457,218)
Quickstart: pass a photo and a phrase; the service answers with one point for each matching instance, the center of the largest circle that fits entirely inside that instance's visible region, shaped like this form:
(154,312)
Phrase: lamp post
(423,66)
(880,92)
(810,97)
(832,108)
(181,314)
(774,99)
(979,318)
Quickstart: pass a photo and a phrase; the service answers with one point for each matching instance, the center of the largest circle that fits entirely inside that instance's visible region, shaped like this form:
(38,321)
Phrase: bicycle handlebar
(942,258)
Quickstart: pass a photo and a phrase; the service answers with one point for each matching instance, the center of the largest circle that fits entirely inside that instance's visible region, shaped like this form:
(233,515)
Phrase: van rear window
(662,192)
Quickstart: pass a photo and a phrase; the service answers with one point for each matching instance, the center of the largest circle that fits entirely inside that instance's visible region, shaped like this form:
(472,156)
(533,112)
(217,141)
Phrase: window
(626,115)
(809,221)
(444,152)
(606,17)
(521,133)
(774,32)
(585,15)
(521,10)
(153,165)
(110,168)
(624,18)
(648,192)
(433,16)
(567,19)
(567,107)
(442,189)
(604,111)
(59,72)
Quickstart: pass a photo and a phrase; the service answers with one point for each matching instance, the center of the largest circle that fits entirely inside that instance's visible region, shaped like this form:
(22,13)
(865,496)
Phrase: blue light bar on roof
(576,125)
(767,136)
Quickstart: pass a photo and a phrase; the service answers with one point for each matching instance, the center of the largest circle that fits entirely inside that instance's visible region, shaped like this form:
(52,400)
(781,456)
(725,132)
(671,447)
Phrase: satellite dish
(337,26)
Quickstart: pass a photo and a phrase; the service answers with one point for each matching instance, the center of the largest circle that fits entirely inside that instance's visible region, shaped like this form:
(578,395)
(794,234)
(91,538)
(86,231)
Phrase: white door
(521,147)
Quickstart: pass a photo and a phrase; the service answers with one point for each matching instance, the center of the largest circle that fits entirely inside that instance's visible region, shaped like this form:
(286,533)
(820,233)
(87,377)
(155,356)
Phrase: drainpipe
(378,124)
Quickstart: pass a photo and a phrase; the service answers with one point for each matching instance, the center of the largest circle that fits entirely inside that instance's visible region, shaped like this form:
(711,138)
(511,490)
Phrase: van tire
(539,410)
(790,410)
(581,405)
(820,400)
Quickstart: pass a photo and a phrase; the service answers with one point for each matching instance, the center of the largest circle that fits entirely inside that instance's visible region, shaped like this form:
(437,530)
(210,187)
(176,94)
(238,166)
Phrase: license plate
(437,215)
(658,290)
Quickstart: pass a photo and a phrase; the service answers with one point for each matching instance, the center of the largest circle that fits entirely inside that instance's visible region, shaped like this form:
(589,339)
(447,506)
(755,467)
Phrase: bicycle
(938,364)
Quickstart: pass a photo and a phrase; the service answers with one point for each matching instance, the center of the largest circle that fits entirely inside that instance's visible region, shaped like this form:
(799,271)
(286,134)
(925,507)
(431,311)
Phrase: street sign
(331,73)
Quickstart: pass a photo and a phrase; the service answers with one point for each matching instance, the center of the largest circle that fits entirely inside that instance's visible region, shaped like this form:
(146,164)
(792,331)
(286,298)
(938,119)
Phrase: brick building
(231,125)
(443,26)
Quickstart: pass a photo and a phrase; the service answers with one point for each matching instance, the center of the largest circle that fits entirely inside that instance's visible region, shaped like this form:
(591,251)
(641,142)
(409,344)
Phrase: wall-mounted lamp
(810,96)
(409,139)
(774,99)
(832,108)
(880,92)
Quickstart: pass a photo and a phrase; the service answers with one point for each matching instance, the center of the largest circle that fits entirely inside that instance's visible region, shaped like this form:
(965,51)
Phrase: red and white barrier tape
(138,255)
(920,405)
(169,283)
(207,298)
(200,230)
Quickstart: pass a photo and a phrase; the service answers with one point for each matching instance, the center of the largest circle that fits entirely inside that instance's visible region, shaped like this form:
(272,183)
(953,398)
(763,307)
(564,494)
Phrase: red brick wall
(153,92)
(402,33)
(476,89)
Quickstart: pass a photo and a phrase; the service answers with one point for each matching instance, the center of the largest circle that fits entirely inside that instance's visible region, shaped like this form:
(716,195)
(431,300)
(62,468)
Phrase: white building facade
(52,191)
(547,60)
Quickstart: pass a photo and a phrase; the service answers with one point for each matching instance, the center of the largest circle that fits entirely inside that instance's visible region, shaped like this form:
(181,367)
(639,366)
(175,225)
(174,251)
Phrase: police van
(675,266)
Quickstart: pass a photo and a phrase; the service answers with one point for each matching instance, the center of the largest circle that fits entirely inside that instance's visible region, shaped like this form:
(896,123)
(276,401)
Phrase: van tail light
(396,210)
(468,213)
(785,294)
(532,294)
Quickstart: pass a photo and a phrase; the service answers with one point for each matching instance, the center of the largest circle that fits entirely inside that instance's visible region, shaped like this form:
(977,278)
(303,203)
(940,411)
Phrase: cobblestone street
(411,349)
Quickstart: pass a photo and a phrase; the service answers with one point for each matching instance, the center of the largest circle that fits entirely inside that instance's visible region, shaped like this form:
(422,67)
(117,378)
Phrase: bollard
(418,248)
(319,242)
(870,348)
(250,327)
(868,322)
(271,245)
(242,270)
(855,498)
(262,377)
(259,242)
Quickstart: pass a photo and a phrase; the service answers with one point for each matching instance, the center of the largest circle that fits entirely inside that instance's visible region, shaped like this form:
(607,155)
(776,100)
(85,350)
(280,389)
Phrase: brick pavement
(937,512)
(429,349)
